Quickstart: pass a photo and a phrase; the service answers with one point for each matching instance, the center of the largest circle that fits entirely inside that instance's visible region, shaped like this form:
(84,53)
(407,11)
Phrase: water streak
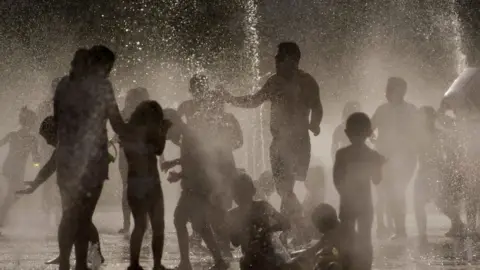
(457,30)
(251,46)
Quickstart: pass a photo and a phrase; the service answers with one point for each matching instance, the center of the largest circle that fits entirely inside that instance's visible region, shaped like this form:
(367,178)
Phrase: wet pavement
(23,247)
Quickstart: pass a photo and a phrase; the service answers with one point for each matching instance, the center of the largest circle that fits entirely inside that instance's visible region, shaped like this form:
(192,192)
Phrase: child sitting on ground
(329,252)
(252,224)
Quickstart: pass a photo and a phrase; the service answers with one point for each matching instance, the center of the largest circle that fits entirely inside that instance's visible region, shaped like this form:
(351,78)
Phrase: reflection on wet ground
(26,248)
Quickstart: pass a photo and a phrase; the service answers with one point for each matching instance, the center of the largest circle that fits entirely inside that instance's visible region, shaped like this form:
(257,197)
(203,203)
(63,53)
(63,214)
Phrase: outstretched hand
(29,190)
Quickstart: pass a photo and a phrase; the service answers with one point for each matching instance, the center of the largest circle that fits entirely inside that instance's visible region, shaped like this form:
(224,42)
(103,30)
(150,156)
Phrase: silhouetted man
(295,109)
(395,122)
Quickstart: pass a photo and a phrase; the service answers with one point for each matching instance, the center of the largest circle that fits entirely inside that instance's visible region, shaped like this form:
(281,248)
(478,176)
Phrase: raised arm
(253,100)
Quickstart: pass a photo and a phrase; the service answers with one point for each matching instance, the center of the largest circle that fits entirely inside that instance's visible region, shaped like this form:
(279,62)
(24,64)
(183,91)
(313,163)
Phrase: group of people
(207,136)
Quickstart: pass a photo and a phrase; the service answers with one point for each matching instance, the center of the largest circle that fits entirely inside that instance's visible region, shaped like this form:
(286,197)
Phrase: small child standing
(22,144)
(252,224)
(356,166)
(134,97)
(143,140)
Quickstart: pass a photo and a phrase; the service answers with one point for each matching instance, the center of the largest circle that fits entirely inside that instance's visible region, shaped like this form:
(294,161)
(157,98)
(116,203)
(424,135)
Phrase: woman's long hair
(148,116)
(148,113)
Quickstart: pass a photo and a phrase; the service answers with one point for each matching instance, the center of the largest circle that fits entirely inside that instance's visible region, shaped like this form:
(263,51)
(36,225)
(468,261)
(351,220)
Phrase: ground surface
(25,248)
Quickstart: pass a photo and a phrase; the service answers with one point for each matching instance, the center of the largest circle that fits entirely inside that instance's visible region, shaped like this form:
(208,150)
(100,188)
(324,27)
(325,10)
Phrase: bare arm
(232,224)
(5,139)
(338,171)
(43,175)
(113,111)
(236,133)
(335,143)
(377,170)
(315,103)
(34,150)
(184,108)
(47,170)
(253,100)
(158,140)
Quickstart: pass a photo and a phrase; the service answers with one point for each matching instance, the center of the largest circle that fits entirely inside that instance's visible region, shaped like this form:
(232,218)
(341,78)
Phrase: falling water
(457,30)
(252,54)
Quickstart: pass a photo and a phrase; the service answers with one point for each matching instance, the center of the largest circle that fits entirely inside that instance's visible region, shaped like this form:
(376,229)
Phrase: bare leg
(123,168)
(8,202)
(86,229)
(157,221)
(420,213)
(181,217)
(364,240)
(140,224)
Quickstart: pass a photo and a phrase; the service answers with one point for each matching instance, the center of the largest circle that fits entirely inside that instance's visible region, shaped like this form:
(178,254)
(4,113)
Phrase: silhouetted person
(83,103)
(252,224)
(452,184)
(356,167)
(396,140)
(226,129)
(144,140)
(195,202)
(206,116)
(133,99)
(430,162)
(295,109)
(48,131)
(189,110)
(22,143)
